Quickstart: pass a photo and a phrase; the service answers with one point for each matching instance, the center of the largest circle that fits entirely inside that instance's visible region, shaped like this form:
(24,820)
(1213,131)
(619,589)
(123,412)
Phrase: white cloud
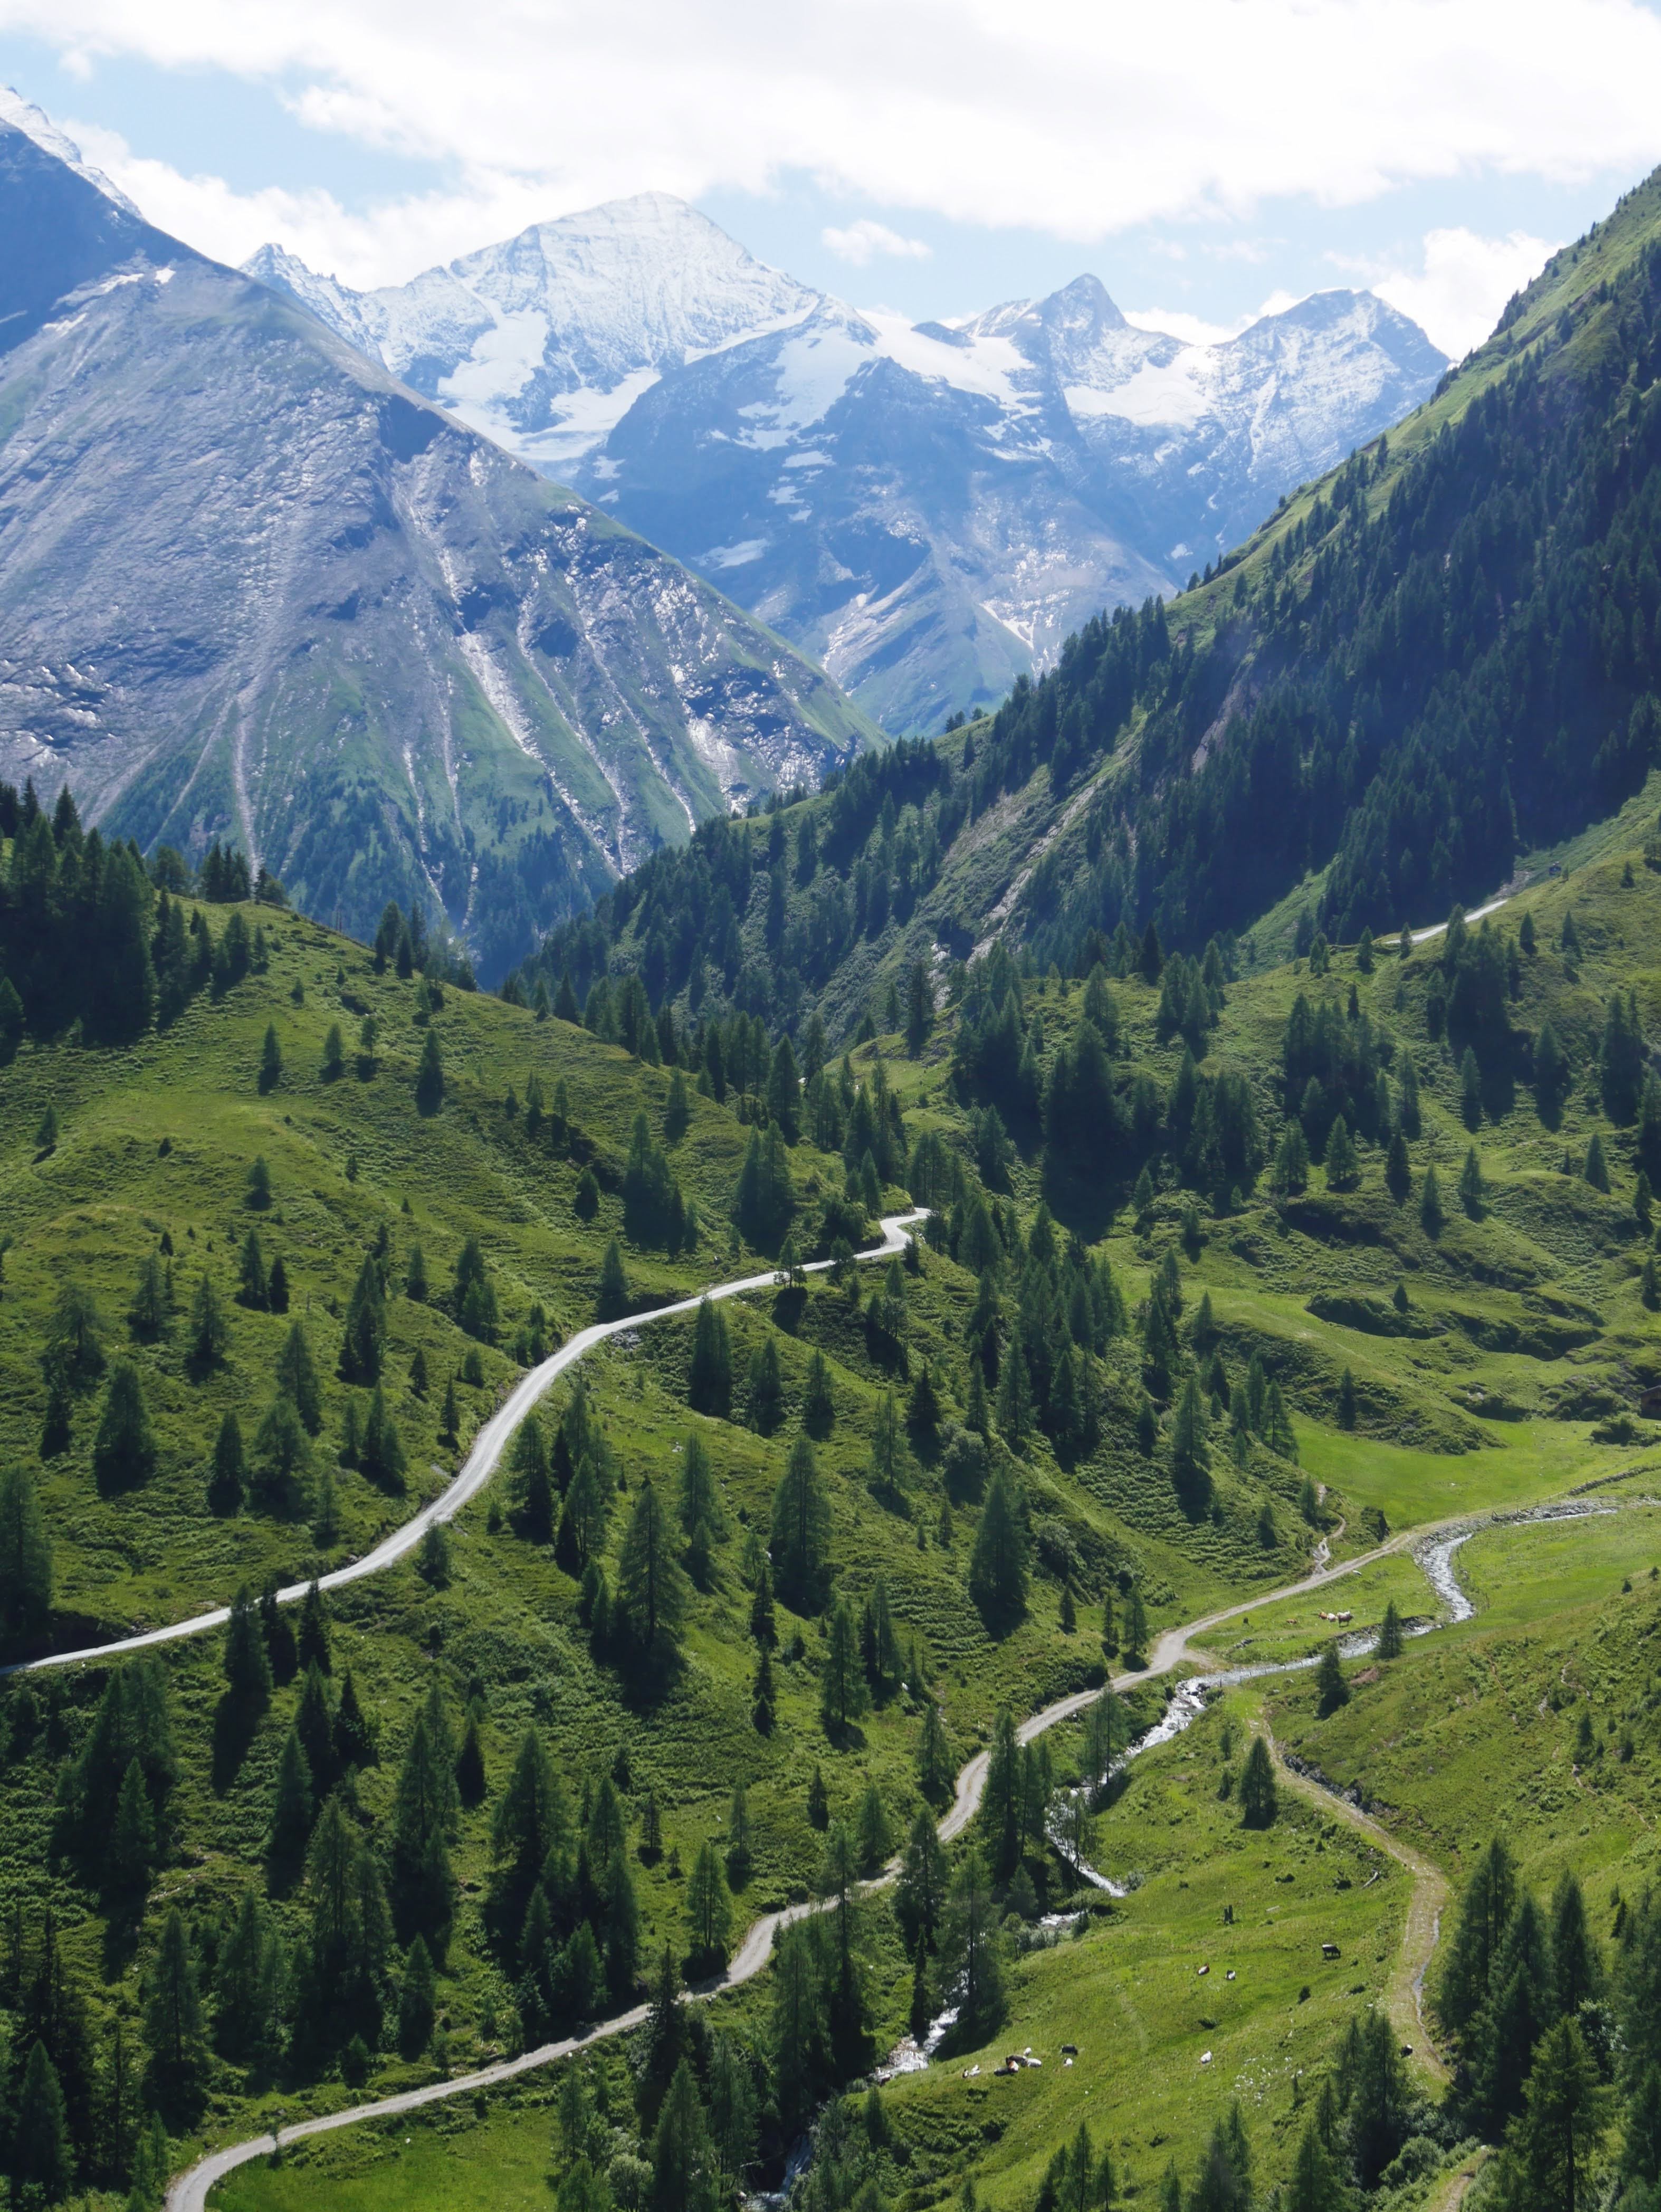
(862,241)
(1194,330)
(1070,117)
(1178,322)
(1465,280)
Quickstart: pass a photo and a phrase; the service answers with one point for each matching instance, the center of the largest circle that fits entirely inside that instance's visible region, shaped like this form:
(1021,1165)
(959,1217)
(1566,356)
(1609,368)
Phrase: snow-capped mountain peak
(929,506)
(545,340)
(22,115)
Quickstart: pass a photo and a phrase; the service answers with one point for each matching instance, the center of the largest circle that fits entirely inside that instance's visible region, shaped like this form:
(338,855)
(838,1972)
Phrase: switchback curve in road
(480,1464)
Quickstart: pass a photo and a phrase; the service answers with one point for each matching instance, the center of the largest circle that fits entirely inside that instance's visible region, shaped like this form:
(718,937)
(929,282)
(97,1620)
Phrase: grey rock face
(251,587)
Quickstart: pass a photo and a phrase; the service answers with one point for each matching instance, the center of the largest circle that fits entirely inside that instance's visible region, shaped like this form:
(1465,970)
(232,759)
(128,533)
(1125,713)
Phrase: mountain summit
(545,341)
(929,508)
(251,585)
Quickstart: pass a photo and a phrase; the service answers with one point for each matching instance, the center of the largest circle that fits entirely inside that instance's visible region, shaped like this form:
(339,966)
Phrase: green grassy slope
(1525,1331)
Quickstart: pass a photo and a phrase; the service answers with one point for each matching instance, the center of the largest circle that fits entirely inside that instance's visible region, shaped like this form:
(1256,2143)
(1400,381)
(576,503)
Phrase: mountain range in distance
(927,509)
(252,587)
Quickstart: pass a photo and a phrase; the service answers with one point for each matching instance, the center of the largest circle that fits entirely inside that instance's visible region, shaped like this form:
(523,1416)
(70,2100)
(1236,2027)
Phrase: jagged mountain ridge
(930,508)
(253,587)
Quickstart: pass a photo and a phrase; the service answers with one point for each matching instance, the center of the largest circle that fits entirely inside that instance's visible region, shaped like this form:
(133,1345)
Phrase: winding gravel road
(189,2192)
(481,1462)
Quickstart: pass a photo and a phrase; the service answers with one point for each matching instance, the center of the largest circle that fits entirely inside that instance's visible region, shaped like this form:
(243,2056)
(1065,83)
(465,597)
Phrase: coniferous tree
(471,1779)
(936,1772)
(1596,1171)
(1331,1690)
(248,1987)
(297,1378)
(248,1664)
(701,1517)
(354,1731)
(41,2158)
(1398,1171)
(416,2001)
(801,1528)
(709,1913)
(763,1699)
(997,1569)
(738,1838)
(1347,1408)
(1577,1970)
(210,1330)
(124,1452)
(709,1379)
(254,1287)
(612,1302)
(152,1304)
(288,1830)
(872,1834)
(1563,2123)
(280,1646)
(1551,1076)
(1389,1635)
(271,1060)
(25,1562)
(766,1392)
(1317,2185)
(430,1077)
(532,1484)
(1135,1625)
(1470,1184)
(132,1850)
(281,1465)
(1190,1458)
(1485,1912)
(363,1339)
(312,1642)
(1343,1165)
(843,1693)
(651,1588)
(969,1952)
(1291,1171)
(434,1556)
(173,2026)
(1259,1799)
(1431,1215)
(919,1892)
(313,1723)
(380,1450)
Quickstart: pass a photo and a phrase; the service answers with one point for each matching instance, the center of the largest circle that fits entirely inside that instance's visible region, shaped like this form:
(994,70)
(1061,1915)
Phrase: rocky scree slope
(254,587)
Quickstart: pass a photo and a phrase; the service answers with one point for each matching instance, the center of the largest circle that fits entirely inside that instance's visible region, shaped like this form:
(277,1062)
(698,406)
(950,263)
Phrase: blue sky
(934,155)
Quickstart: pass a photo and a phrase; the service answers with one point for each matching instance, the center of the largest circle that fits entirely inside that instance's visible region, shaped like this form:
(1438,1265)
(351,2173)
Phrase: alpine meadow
(962,1507)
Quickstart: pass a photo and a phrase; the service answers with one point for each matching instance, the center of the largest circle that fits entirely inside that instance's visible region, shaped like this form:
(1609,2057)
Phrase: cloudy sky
(1204,157)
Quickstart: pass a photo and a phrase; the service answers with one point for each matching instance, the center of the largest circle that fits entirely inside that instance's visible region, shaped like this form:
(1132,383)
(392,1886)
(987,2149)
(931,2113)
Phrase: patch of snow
(1174,395)
(735,557)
